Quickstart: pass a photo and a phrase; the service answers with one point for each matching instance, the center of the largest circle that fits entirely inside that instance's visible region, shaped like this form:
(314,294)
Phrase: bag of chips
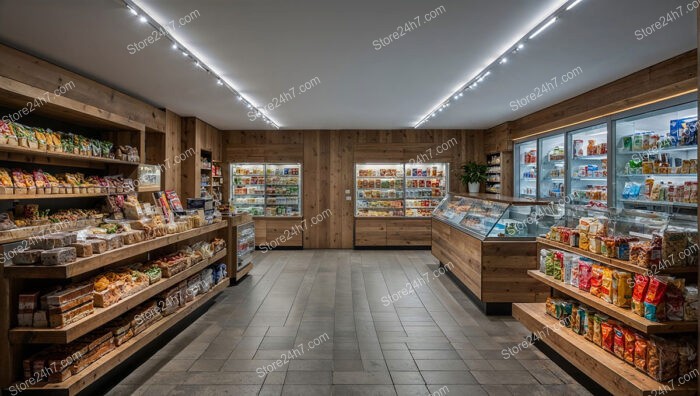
(622,289)
(654,306)
(629,345)
(619,342)
(585,270)
(607,331)
(597,329)
(606,286)
(674,299)
(641,345)
(690,303)
(662,359)
(641,284)
(590,325)
(597,280)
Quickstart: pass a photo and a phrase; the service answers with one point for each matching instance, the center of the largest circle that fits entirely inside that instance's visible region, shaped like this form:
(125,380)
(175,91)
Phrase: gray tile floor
(426,340)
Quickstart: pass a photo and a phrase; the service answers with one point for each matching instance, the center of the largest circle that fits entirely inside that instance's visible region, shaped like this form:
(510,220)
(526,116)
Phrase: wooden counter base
(493,271)
(392,232)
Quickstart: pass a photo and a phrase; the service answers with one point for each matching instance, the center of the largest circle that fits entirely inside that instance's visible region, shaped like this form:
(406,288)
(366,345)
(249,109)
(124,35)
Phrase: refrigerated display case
(270,190)
(471,235)
(526,169)
(588,182)
(426,186)
(656,160)
(399,190)
(379,190)
(552,167)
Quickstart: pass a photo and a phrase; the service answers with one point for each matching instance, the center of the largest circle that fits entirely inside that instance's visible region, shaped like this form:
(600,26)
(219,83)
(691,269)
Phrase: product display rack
(551,167)
(604,367)
(217,181)
(266,190)
(16,341)
(494,174)
(399,190)
(241,234)
(588,148)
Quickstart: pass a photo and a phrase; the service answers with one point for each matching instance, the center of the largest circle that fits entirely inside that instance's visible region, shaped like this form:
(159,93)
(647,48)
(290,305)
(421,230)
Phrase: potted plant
(474,174)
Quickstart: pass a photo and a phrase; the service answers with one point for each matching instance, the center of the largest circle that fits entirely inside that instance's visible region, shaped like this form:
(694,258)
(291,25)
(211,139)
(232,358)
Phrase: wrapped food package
(62,319)
(98,245)
(641,284)
(67,306)
(597,280)
(674,299)
(687,356)
(27,257)
(58,256)
(630,339)
(619,342)
(114,241)
(622,288)
(590,325)
(82,249)
(662,359)
(690,303)
(585,273)
(654,301)
(607,332)
(598,321)
(641,346)
(606,286)
(63,296)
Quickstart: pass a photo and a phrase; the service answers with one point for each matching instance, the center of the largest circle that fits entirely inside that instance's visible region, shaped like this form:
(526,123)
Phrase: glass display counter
(488,242)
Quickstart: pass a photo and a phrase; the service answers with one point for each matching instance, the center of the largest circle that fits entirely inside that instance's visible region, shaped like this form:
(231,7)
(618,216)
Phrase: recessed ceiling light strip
(143,16)
(501,60)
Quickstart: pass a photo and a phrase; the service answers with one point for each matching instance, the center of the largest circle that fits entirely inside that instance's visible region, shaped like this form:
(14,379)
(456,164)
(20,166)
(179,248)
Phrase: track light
(219,82)
(133,11)
(503,60)
(573,5)
(545,26)
(143,19)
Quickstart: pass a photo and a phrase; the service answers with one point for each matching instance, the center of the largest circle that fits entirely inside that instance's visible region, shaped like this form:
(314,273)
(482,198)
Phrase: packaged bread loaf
(98,245)
(58,256)
(82,249)
(27,257)
(67,306)
(72,316)
(62,296)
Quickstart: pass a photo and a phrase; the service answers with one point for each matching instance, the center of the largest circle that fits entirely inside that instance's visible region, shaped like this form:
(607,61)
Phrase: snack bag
(690,304)
(585,272)
(598,321)
(543,261)
(590,325)
(584,242)
(622,289)
(662,359)
(608,336)
(567,265)
(606,286)
(583,313)
(619,342)
(687,356)
(558,264)
(574,272)
(674,300)
(549,263)
(597,280)
(641,284)
(654,308)
(630,339)
(641,346)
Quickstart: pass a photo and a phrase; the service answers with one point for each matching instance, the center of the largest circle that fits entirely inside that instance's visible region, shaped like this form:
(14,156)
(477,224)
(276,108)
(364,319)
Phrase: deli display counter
(490,241)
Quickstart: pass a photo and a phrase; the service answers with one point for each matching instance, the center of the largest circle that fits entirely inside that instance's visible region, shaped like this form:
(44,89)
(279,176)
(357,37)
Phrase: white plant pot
(474,187)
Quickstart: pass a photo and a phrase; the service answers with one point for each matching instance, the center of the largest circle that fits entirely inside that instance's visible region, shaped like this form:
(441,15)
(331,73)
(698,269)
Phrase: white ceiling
(265,47)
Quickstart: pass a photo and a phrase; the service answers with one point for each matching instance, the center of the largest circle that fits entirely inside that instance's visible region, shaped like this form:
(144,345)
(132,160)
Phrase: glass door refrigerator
(282,190)
(248,189)
(379,190)
(526,169)
(656,160)
(588,184)
(552,167)
(426,187)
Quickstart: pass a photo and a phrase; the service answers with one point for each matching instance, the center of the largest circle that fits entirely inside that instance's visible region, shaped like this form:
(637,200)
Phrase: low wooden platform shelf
(610,372)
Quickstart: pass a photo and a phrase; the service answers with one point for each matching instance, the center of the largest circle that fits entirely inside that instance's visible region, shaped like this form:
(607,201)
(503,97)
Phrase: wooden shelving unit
(621,264)
(64,335)
(624,315)
(102,124)
(104,365)
(616,376)
(494,174)
(88,264)
(606,369)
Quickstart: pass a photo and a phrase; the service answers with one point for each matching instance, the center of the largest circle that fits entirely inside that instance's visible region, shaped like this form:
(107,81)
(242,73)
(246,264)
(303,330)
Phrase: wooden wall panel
(196,136)
(41,74)
(328,159)
(173,147)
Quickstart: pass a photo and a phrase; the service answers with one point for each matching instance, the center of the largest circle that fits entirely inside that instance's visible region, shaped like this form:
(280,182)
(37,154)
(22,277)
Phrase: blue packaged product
(684,131)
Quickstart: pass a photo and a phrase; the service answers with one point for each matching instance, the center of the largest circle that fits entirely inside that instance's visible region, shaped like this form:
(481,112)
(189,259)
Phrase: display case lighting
(502,59)
(176,45)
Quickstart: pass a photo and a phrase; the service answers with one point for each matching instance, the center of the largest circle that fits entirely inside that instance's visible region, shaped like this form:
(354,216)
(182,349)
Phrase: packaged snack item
(597,280)
(630,338)
(687,356)
(58,256)
(585,270)
(619,342)
(594,244)
(543,260)
(582,321)
(654,308)
(606,286)
(569,259)
(549,263)
(690,305)
(641,346)
(598,321)
(583,241)
(590,325)
(674,299)
(641,284)
(558,264)
(574,238)
(575,322)
(574,271)
(622,288)
(607,247)
(662,359)
(607,336)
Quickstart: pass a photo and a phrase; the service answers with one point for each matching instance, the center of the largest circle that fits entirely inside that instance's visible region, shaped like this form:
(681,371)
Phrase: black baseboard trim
(489,309)
(570,369)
